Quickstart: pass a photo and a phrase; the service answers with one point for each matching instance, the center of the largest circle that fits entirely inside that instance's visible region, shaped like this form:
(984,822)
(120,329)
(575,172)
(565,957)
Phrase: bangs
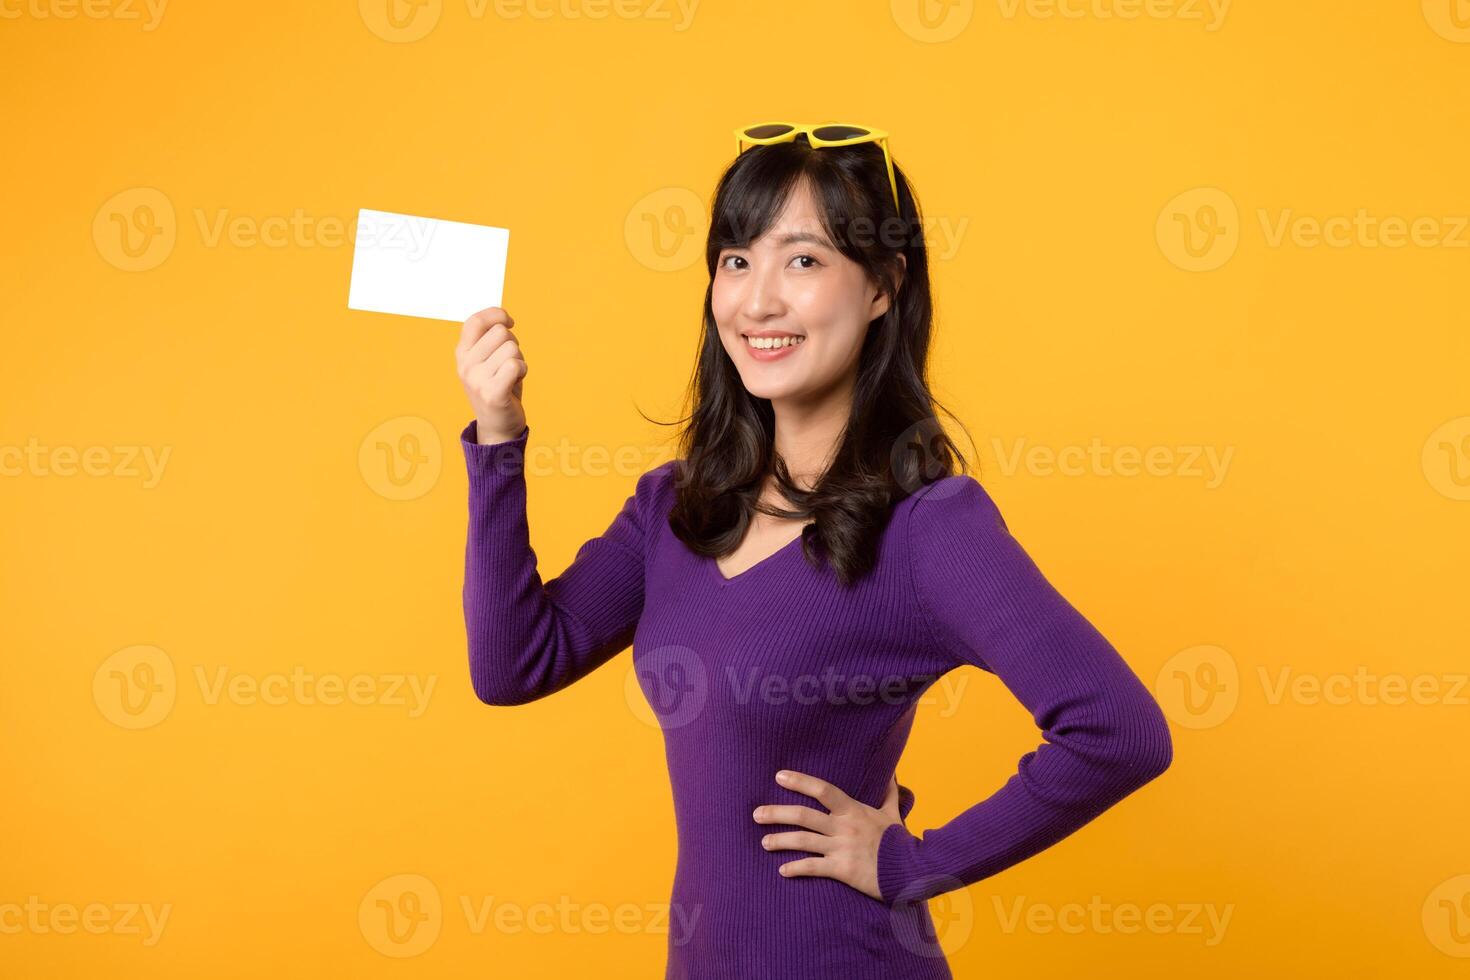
(762,180)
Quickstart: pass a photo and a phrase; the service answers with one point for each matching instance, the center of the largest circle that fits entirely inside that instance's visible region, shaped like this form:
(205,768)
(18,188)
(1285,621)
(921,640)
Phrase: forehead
(799,220)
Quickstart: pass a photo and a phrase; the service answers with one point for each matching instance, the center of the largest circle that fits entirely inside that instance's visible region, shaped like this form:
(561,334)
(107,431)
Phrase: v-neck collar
(714,564)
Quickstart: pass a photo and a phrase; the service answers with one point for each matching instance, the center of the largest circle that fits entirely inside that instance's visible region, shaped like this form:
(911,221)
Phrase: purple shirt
(780,667)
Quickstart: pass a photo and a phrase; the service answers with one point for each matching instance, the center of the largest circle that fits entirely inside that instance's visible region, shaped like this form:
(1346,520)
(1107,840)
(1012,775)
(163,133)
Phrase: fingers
(830,796)
(810,867)
(485,346)
(479,323)
(845,839)
(490,342)
(800,816)
(494,376)
(487,363)
(799,840)
(485,342)
(502,382)
(515,369)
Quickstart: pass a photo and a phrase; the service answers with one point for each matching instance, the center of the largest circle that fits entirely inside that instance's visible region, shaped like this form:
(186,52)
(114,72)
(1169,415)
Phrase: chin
(787,390)
(762,388)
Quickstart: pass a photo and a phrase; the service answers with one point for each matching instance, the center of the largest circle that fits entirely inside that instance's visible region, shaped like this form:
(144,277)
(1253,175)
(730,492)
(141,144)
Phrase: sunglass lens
(838,132)
(766,132)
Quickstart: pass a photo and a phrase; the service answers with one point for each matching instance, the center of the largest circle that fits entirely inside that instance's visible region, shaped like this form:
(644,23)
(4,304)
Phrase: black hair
(892,444)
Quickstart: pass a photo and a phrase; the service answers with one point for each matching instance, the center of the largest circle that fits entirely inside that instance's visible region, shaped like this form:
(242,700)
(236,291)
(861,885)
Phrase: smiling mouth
(773,342)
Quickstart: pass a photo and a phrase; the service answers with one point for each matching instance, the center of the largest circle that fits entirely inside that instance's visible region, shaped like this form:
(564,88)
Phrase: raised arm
(528,639)
(985,602)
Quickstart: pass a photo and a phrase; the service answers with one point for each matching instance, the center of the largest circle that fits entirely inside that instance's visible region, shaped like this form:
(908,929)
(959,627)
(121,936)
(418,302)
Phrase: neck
(808,432)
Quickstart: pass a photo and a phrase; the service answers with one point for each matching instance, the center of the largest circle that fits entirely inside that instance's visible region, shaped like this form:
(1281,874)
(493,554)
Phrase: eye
(726,258)
(810,258)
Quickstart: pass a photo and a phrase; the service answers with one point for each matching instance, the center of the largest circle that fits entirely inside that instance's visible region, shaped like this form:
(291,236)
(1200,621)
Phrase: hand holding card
(491,368)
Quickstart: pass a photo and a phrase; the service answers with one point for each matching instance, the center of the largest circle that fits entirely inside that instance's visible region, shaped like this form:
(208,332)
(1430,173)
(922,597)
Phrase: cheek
(833,313)
(825,306)
(723,303)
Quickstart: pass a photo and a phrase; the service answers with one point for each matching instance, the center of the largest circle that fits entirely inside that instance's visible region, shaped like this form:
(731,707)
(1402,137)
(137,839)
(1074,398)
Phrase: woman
(785,678)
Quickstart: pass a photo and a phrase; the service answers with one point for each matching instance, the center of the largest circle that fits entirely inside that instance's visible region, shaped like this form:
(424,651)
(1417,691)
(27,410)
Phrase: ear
(881,300)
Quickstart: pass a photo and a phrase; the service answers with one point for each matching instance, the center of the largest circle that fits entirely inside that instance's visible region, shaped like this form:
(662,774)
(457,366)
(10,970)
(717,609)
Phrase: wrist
(896,860)
(492,462)
(484,435)
(904,874)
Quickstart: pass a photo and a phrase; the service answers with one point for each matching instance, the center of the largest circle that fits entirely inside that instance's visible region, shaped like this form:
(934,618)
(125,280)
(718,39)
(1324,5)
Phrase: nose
(763,294)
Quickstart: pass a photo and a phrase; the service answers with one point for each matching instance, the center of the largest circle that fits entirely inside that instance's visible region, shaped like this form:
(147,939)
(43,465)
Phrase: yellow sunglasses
(818,135)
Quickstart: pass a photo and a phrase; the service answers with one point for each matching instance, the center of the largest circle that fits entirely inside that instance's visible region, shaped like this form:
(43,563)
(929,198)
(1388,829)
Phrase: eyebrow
(791,238)
(802,236)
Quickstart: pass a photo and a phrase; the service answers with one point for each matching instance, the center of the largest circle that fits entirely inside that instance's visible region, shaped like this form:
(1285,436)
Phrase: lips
(776,349)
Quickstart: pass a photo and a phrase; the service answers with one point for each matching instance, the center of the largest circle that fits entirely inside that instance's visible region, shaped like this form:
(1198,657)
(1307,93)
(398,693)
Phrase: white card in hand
(412,266)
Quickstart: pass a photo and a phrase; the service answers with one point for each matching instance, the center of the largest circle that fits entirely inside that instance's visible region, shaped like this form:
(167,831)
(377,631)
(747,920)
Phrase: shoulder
(957,504)
(953,522)
(660,478)
(657,486)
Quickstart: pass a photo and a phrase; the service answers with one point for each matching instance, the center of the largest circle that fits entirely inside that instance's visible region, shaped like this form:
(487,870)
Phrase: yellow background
(1072,153)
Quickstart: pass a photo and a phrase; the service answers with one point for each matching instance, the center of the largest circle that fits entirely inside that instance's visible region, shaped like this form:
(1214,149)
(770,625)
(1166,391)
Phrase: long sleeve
(527,639)
(985,603)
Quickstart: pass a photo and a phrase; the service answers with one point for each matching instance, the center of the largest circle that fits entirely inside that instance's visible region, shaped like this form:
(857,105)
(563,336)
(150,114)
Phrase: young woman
(795,581)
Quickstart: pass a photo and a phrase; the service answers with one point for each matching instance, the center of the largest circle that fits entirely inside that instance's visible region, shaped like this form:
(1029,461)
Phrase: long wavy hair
(892,443)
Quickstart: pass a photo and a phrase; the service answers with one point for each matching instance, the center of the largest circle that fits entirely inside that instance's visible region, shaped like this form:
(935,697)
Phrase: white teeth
(771,343)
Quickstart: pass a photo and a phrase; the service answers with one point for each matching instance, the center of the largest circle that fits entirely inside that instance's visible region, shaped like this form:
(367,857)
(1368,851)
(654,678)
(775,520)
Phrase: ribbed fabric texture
(782,667)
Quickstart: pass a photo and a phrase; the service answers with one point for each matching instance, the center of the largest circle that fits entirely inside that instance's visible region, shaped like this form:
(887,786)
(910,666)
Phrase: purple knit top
(782,667)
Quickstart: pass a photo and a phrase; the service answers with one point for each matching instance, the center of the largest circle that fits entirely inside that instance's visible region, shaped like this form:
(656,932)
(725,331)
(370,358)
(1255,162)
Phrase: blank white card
(427,267)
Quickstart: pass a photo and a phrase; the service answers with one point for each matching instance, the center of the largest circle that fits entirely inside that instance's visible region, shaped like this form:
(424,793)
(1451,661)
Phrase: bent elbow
(496,685)
(500,695)
(1148,745)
